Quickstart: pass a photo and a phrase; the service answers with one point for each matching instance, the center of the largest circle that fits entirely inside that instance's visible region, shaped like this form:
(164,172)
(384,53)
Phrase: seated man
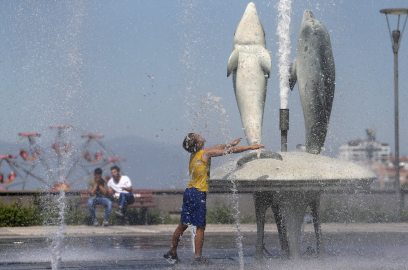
(98,192)
(121,188)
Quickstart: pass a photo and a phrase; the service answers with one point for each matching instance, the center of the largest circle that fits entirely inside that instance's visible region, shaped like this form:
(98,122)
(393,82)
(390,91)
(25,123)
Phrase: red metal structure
(56,158)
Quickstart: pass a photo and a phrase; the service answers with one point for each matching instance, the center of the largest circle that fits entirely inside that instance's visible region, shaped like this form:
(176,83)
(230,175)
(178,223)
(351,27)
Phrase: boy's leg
(198,215)
(184,219)
(199,241)
(176,237)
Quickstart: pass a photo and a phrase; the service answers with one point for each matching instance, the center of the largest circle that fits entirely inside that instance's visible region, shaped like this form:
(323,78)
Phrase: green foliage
(343,213)
(74,215)
(152,218)
(43,210)
(167,219)
(15,215)
(48,209)
(221,214)
(247,219)
(136,217)
(404,215)
(156,217)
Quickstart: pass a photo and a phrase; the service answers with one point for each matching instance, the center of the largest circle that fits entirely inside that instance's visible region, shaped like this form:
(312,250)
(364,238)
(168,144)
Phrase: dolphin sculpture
(313,69)
(250,64)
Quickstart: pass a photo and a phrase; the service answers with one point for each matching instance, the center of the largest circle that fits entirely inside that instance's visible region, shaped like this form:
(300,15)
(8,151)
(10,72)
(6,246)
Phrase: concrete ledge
(40,231)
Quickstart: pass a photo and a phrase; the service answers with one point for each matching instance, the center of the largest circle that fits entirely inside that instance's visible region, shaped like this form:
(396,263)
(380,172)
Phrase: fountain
(288,182)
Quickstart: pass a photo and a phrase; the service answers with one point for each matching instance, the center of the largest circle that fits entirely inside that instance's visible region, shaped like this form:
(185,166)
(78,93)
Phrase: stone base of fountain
(289,185)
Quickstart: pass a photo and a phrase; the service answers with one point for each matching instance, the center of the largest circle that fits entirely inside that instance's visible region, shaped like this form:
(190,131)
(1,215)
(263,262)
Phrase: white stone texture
(250,64)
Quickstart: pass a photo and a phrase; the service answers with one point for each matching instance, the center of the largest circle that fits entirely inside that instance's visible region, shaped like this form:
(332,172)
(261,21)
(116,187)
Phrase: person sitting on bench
(98,192)
(121,188)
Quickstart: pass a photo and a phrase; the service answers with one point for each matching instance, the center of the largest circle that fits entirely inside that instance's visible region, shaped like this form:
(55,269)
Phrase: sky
(157,69)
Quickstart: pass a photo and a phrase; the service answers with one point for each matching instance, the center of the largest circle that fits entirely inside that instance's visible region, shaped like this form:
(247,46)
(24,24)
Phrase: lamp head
(394,11)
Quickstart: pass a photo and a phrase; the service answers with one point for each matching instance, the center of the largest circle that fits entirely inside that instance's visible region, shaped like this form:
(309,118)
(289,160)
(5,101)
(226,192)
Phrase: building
(386,175)
(375,156)
(366,151)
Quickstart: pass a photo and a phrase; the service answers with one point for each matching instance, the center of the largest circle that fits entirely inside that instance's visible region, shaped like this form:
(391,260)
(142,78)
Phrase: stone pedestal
(289,185)
(289,209)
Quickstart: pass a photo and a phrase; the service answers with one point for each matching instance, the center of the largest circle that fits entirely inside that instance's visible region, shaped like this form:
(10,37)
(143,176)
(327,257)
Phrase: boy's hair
(115,168)
(190,143)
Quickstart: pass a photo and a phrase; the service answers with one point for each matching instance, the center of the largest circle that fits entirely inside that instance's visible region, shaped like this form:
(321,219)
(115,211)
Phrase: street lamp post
(396,37)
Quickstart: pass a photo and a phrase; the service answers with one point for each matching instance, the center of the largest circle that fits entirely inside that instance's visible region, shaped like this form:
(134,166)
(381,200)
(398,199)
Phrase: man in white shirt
(121,188)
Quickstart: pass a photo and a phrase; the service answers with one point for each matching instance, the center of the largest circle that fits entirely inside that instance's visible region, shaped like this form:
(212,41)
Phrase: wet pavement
(348,246)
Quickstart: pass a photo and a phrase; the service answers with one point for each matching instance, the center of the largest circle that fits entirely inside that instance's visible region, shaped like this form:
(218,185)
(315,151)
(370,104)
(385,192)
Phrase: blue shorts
(194,207)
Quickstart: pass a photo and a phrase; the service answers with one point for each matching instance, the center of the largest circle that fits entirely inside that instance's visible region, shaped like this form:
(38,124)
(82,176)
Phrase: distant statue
(371,133)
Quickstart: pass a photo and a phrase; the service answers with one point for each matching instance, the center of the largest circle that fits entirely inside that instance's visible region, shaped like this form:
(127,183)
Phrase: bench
(143,200)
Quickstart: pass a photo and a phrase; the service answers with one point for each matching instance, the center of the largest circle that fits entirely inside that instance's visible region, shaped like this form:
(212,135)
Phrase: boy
(194,198)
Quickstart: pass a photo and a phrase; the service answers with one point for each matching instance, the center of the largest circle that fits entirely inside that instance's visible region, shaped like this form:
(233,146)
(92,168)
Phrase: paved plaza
(348,246)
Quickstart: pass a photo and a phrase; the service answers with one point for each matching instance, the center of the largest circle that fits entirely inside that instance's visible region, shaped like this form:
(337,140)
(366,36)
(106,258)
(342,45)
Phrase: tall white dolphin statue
(313,69)
(250,64)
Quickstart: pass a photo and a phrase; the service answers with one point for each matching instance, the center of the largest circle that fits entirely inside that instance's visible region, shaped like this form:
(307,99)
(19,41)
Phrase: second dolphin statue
(250,64)
(314,71)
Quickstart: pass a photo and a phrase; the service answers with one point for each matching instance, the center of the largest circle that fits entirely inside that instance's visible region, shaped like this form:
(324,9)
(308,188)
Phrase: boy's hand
(236,142)
(257,146)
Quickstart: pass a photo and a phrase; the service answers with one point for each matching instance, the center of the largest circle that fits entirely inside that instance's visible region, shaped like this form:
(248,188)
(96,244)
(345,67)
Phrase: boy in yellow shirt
(195,196)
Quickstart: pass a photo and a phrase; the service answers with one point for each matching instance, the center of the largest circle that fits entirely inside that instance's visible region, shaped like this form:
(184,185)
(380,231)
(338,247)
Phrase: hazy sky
(157,69)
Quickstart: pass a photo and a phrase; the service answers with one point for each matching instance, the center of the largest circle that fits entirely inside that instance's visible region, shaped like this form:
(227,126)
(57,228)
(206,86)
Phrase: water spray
(284,127)
(193,236)
(283,32)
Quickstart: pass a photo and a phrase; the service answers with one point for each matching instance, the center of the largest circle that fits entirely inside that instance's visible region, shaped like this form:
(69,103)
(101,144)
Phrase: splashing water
(212,116)
(73,88)
(52,63)
(208,116)
(188,17)
(193,236)
(51,66)
(235,205)
(205,114)
(283,31)
(58,237)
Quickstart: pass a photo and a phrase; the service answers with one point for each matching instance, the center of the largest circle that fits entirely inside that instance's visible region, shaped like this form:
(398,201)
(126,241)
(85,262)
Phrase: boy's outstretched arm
(225,145)
(211,152)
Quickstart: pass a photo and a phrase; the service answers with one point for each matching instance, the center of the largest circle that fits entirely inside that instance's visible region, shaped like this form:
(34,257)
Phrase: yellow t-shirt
(199,172)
